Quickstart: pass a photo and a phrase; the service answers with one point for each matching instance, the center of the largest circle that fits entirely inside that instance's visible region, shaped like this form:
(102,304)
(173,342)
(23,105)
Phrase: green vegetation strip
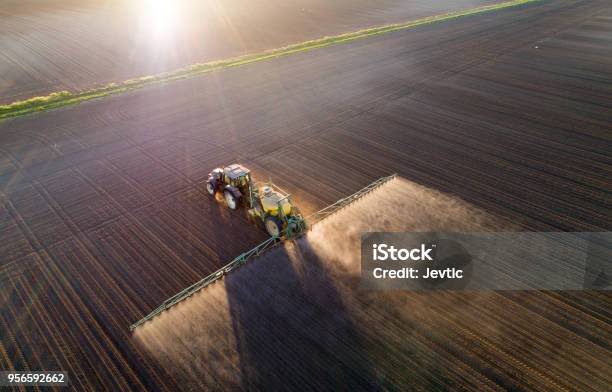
(64,98)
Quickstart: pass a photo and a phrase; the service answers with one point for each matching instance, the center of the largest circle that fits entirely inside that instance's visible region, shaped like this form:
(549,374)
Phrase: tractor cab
(237,176)
(234,175)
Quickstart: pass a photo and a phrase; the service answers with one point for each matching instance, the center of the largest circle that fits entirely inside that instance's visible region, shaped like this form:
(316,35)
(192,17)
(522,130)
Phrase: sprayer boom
(259,249)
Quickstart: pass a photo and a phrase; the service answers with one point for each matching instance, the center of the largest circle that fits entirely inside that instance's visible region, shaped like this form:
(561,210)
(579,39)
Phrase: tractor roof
(235,171)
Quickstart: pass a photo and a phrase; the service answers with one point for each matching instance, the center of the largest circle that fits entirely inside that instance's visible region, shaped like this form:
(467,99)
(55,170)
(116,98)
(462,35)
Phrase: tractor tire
(274,227)
(230,200)
(211,188)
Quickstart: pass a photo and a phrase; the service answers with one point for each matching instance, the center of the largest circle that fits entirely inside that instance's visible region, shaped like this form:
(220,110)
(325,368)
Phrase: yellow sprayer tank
(270,199)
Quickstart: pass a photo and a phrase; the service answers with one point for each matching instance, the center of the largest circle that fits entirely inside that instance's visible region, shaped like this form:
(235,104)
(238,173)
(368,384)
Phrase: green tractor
(267,204)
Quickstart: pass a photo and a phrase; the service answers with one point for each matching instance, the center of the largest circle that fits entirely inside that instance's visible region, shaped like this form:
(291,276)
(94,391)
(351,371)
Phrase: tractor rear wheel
(230,199)
(273,226)
(210,188)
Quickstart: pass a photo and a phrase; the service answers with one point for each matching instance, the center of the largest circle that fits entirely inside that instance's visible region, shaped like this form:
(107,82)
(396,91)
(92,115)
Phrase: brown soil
(103,213)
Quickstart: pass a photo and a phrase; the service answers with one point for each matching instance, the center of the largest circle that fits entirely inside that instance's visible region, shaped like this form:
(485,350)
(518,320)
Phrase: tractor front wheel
(273,226)
(210,188)
(231,201)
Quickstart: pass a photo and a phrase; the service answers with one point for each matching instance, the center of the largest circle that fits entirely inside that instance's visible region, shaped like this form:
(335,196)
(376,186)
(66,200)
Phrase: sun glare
(160,18)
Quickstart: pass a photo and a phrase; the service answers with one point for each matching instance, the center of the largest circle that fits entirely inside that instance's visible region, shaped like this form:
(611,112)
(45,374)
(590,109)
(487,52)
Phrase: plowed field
(103,213)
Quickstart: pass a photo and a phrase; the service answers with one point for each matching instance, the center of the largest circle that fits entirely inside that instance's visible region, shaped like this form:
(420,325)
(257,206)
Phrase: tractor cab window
(237,182)
(243,181)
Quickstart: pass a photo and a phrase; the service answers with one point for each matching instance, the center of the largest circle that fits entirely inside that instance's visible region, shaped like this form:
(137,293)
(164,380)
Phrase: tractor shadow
(293,331)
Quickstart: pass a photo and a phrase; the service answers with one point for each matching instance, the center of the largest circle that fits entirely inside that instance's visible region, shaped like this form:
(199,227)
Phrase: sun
(160,18)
